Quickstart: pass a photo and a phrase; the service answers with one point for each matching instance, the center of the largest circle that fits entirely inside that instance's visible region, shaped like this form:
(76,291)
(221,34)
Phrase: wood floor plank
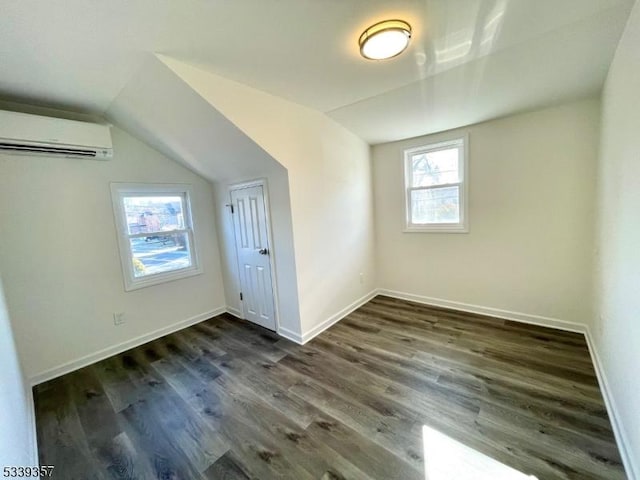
(153,441)
(95,411)
(227,399)
(439,356)
(260,451)
(201,444)
(362,451)
(469,341)
(268,379)
(121,460)
(227,467)
(116,383)
(58,422)
(403,442)
(593,457)
(271,390)
(294,441)
(420,376)
(531,400)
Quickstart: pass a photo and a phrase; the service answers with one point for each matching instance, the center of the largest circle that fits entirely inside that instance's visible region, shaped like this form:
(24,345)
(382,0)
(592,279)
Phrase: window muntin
(435,187)
(155,233)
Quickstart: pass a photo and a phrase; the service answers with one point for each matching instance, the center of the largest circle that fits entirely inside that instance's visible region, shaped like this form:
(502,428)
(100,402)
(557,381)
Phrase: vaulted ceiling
(469,60)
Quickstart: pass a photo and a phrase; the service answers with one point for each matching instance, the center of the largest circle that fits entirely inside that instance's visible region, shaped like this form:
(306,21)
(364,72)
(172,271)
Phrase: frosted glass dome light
(385,39)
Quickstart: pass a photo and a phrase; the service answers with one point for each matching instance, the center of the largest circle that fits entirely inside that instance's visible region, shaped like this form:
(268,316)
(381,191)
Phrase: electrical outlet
(118,318)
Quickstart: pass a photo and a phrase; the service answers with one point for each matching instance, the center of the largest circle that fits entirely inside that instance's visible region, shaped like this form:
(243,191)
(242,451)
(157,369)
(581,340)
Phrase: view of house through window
(157,236)
(434,180)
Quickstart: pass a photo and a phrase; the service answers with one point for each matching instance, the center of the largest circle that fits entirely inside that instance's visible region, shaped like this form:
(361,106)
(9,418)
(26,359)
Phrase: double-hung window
(155,233)
(436,187)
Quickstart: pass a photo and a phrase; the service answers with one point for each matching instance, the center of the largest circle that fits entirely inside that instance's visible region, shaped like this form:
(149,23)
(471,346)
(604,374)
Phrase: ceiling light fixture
(385,39)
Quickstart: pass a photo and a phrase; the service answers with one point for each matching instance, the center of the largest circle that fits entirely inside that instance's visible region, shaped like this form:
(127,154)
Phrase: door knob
(263,251)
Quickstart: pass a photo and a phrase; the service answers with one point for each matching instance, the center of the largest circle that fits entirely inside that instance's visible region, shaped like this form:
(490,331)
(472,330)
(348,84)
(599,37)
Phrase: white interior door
(252,245)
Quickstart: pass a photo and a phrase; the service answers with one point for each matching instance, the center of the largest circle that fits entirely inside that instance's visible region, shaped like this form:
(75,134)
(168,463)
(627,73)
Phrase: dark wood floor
(225,399)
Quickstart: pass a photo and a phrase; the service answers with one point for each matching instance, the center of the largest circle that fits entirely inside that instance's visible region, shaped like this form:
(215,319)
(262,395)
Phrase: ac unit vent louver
(14,147)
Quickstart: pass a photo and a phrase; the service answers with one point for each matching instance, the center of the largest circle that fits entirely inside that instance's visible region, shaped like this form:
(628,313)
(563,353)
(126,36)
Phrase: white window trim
(118,191)
(463,225)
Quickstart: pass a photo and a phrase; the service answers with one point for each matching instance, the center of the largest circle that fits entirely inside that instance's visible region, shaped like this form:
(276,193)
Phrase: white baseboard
(290,335)
(437,302)
(609,400)
(121,347)
(235,312)
(490,311)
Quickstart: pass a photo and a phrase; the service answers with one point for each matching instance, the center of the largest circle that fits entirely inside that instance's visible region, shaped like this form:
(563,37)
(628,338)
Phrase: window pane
(160,253)
(154,214)
(435,205)
(435,168)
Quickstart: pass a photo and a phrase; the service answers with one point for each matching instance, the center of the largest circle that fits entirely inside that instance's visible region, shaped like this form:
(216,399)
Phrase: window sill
(160,278)
(437,229)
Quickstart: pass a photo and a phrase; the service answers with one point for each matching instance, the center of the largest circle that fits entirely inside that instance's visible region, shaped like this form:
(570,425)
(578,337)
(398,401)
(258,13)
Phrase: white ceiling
(469,60)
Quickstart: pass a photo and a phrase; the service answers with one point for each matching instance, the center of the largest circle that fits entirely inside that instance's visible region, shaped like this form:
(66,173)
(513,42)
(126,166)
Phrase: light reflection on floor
(448,459)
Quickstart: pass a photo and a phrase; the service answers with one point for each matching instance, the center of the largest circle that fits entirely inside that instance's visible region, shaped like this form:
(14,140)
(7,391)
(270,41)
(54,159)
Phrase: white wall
(17,420)
(165,111)
(60,259)
(530,239)
(617,329)
(330,190)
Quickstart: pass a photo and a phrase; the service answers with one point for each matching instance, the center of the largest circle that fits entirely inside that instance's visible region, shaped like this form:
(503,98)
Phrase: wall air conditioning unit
(26,134)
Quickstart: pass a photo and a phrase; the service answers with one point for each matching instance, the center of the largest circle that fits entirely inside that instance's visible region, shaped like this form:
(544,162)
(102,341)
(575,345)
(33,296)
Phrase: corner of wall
(313,332)
(619,432)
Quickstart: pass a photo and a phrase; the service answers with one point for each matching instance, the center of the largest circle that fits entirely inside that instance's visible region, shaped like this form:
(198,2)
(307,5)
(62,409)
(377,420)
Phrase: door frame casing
(258,182)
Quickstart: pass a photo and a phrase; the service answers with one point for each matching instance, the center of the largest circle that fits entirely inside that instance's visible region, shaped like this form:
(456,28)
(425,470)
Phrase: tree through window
(435,187)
